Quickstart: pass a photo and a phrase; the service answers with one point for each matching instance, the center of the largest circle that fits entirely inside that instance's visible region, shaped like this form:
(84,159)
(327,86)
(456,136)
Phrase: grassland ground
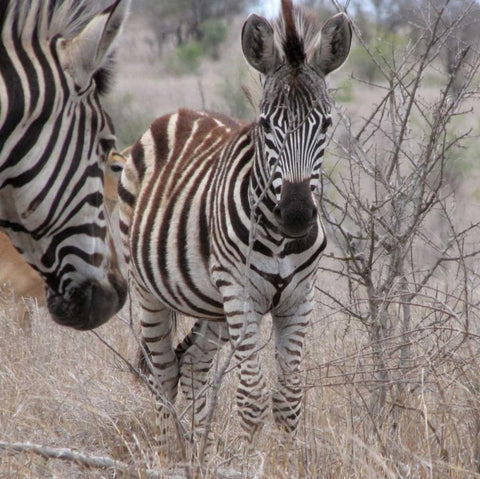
(65,389)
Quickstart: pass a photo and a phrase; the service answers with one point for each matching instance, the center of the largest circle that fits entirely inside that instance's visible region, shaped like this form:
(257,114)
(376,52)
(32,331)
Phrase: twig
(100,462)
(105,462)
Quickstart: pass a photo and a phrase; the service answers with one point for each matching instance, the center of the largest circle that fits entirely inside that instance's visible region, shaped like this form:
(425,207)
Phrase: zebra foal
(219,221)
(54,139)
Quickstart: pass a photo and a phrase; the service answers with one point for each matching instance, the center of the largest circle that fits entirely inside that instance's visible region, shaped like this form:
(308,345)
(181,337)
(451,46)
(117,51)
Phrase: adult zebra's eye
(116,168)
(265,124)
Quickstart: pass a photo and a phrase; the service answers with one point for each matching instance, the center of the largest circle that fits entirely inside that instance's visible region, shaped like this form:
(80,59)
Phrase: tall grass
(61,388)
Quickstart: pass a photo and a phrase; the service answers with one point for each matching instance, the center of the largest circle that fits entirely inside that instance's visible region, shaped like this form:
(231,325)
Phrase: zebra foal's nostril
(277,211)
(307,214)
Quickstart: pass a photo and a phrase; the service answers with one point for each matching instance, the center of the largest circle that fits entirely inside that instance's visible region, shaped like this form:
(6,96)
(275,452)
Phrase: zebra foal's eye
(116,168)
(326,123)
(265,124)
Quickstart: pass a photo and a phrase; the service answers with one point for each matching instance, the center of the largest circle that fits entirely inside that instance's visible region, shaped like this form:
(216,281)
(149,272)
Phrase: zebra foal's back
(166,194)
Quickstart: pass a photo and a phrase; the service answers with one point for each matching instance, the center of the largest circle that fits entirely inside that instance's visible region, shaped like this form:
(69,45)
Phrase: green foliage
(460,158)
(214,33)
(367,63)
(186,59)
(434,78)
(190,55)
(231,92)
(344,92)
(182,20)
(389,49)
(130,124)
(362,64)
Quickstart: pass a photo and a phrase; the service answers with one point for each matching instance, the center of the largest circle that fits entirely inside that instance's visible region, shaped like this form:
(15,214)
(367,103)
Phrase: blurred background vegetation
(187,53)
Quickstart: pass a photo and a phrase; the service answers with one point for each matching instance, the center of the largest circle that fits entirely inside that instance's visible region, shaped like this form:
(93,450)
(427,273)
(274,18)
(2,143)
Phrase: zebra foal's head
(294,54)
(55,137)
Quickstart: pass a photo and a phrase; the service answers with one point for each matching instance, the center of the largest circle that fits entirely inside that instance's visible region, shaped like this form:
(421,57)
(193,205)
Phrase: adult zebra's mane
(42,20)
(48,18)
(296,33)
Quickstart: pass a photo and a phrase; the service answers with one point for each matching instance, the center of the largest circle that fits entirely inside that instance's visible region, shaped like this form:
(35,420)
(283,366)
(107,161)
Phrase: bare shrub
(406,258)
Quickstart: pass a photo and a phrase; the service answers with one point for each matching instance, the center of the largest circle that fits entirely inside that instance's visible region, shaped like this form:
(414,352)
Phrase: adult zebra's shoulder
(55,58)
(219,221)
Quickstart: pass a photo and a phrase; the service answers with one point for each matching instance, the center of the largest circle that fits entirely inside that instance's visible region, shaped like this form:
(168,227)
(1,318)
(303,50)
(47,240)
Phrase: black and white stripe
(219,222)
(54,138)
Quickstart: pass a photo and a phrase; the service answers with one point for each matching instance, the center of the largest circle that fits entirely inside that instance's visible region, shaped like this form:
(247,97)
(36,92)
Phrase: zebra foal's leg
(195,355)
(252,398)
(290,330)
(157,324)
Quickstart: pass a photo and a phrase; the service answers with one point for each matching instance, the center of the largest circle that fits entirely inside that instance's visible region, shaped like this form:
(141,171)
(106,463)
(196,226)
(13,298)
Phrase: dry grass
(62,388)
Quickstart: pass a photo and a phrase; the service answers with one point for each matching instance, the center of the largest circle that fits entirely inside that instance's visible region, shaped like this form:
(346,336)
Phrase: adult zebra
(219,221)
(54,137)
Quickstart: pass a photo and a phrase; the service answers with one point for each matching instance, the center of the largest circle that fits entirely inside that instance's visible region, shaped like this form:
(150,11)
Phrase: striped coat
(19,279)
(54,139)
(219,222)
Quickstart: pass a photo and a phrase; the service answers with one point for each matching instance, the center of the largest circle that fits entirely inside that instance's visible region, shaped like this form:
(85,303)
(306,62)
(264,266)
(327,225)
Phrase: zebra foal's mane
(296,34)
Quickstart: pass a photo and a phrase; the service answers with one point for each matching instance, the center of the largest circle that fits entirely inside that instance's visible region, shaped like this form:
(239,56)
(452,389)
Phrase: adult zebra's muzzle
(89,304)
(296,212)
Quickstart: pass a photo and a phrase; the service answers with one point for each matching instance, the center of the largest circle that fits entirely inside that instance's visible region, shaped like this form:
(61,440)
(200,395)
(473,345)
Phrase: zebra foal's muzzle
(89,304)
(296,212)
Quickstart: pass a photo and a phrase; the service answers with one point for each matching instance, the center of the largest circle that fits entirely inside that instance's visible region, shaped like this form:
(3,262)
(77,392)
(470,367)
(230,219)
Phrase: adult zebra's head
(55,137)
(294,54)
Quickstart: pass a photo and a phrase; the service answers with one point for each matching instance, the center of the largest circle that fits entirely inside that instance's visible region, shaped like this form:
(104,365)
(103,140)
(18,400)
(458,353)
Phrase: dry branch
(100,462)
(386,207)
(105,462)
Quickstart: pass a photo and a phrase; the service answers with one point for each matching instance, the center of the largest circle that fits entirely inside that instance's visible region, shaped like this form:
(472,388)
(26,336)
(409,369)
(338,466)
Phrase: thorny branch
(99,462)
(385,203)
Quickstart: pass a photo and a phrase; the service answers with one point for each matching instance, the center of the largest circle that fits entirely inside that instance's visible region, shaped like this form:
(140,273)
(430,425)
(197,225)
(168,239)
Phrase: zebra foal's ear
(334,44)
(258,45)
(89,50)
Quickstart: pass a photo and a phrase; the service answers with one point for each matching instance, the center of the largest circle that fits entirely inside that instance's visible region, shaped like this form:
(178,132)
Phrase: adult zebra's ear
(86,53)
(335,42)
(258,44)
